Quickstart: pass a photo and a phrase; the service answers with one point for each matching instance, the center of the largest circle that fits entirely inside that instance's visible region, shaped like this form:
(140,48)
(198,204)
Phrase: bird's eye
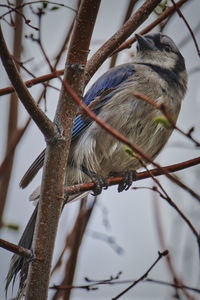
(167,48)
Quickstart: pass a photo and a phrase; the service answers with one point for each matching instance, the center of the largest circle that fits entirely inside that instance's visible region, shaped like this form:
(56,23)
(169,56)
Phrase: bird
(157,71)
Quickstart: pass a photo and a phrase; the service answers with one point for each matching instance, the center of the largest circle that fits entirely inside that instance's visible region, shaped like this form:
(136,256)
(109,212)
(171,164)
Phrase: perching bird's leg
(99,181)
(127,178)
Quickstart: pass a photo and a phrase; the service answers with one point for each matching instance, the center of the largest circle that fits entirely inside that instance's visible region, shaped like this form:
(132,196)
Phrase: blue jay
(158,71)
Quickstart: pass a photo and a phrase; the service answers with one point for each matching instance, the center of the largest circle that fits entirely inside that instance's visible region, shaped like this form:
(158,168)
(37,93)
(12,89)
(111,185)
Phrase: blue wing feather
(111,79)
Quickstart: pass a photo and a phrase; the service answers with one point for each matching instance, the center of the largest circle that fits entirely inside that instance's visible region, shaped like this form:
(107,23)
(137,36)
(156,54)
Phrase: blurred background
(125,231)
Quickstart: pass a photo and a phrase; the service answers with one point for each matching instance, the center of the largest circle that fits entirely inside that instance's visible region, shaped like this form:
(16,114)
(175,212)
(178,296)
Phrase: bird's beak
(143,43)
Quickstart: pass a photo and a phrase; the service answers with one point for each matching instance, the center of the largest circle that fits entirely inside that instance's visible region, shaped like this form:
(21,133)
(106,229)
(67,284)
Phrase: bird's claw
(127,178)
(100,183)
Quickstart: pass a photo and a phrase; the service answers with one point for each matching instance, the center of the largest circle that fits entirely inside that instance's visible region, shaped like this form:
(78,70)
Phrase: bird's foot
(127,179)
(100,184)
(99,181)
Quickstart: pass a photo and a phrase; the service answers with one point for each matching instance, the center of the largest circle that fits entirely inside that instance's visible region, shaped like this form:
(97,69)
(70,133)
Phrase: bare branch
(114,281)
(52,189)
(31,82)
(160,255)
(75,189)
(16,249)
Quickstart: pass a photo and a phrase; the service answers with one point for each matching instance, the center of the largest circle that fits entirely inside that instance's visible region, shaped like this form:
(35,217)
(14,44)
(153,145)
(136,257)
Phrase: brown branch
(75,189)
(31,82)
(52,188)
(18,135)
(16,249)
(44,123)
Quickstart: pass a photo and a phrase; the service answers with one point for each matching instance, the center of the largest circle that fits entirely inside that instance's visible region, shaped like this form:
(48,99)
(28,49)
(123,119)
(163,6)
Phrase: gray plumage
(158,71)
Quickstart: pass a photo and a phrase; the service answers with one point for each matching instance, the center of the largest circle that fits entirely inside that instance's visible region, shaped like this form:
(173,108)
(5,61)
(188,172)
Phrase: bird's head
(159,49)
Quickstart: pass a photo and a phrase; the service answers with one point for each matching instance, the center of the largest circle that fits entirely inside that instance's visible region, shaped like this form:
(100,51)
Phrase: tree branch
(113,281)
(75,189)
(31,82)
(16,249)
(52,189)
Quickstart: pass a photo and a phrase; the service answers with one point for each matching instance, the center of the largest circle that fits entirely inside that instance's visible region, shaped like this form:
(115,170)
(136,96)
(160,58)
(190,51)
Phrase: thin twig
(113,281)
(160,255)
(31,82)
(17,11)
